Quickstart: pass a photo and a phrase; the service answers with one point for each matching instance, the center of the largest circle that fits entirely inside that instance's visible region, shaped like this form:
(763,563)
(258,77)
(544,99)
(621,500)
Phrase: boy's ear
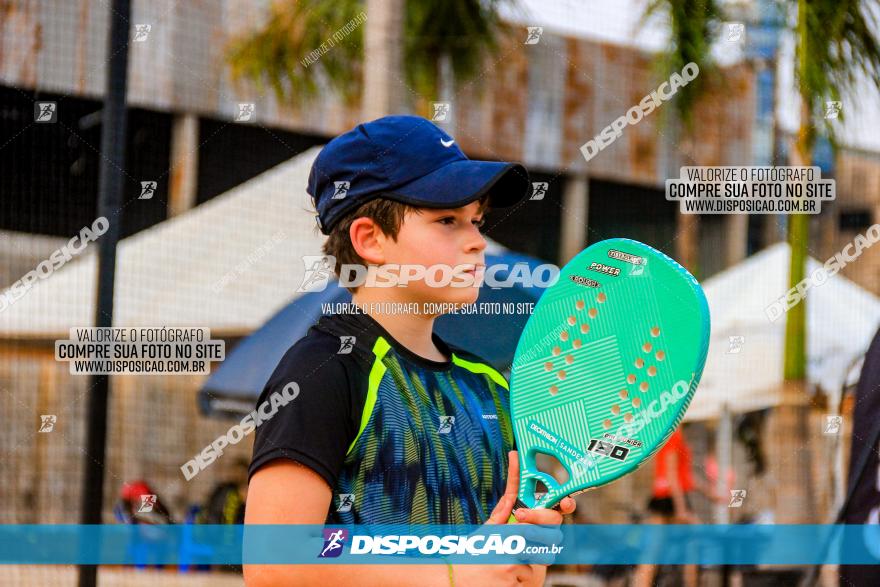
(368,240)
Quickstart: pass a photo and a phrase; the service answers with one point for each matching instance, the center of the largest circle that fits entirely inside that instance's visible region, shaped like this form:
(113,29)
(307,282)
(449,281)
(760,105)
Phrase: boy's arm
(286,492)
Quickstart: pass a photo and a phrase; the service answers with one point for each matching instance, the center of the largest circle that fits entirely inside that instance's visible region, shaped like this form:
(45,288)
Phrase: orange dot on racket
(643,386)
(652,370)
(601,298)
(615,409)
(569,359)
(655,331)
(627,418)
(636,402)
(556,350)
(548,366)
(585,328)
(554,390)
(660,355)
(592,312)
(580,305)
(577,343)
(561,374)
(640,363)
(606,424)
(563,335)
(624,394)
(630,378)
(647,347)
(572,321)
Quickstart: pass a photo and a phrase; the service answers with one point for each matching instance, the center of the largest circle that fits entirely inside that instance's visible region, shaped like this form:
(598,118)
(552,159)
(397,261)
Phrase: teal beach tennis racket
(605,367)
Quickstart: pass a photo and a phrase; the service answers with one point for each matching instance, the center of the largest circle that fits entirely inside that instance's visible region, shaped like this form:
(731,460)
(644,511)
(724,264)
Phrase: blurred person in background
(139,504)
(673,482)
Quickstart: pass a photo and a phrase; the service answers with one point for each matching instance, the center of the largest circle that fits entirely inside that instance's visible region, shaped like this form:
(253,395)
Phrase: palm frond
(836,43)
(463,30)
(693,24)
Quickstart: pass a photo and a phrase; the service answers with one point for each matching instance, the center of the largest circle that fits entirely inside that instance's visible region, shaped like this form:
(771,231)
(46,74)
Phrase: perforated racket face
(606,366)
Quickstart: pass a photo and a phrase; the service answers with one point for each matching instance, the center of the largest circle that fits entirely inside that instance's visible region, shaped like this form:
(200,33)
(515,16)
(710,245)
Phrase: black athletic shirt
(397,437)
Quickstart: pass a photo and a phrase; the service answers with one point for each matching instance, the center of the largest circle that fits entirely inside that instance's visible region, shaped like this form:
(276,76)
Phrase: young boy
(391,424)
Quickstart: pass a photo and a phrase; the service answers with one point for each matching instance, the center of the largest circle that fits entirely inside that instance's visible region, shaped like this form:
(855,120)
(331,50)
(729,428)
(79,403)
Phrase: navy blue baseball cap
(408,159)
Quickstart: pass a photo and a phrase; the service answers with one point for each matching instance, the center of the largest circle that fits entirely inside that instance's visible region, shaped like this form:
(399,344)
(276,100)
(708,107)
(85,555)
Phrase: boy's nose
(477,242)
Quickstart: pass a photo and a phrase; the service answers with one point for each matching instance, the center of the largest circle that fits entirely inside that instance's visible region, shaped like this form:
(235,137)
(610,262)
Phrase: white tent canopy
(228,264)
(842,318)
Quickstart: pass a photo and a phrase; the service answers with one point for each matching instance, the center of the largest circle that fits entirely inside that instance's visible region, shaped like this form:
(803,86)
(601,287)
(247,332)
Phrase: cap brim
(461,182)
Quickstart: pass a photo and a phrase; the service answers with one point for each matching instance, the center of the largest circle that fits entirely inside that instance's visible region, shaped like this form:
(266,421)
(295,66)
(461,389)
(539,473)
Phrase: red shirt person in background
(673,480)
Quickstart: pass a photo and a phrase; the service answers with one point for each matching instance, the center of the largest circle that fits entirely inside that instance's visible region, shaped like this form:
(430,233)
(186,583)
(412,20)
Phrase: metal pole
(113,133)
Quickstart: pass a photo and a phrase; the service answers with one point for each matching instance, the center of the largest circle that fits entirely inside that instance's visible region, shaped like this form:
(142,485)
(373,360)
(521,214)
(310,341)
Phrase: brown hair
(388,216)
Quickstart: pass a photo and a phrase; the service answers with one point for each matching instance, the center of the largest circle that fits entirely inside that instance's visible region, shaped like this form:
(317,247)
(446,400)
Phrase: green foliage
(273,54)
(835,43)
(465,30)
(693,24)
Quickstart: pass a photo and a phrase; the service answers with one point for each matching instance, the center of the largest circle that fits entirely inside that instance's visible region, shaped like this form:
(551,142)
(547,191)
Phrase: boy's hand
(543,524)
(539,527)
(502,511)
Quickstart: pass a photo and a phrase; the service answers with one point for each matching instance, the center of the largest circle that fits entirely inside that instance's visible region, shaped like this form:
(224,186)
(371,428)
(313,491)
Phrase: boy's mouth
(475,271)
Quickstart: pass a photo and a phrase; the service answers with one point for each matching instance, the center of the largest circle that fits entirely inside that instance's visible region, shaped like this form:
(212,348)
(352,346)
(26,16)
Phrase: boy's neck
(411,329)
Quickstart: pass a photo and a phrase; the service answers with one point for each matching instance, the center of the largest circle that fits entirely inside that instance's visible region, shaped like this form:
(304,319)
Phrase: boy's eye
(449,220)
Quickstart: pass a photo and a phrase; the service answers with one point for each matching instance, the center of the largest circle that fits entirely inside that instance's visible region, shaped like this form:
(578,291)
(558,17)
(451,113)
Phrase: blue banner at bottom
(566,544)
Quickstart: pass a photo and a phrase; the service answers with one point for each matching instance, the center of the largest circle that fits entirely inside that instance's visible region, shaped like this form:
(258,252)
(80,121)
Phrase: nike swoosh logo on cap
(447,144)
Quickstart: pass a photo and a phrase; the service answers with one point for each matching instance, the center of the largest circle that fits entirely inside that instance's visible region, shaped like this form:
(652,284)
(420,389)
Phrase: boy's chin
(462,296)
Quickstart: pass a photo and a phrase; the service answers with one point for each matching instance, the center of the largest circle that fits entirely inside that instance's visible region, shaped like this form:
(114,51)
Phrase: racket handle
(520,504)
